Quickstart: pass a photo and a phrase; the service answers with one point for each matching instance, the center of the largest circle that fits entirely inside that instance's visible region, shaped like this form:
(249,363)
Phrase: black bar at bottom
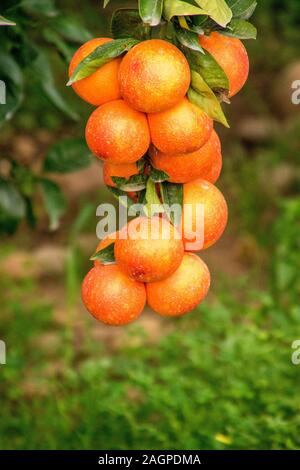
(134,459)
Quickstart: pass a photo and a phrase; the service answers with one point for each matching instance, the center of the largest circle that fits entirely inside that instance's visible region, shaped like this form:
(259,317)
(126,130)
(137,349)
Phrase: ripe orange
(184,128)
(111,297)
(182,291)
(154,75)
(205,195)
(151,251)
(231,55)
(117,133)
(123,171)
(103,85)
(205,163)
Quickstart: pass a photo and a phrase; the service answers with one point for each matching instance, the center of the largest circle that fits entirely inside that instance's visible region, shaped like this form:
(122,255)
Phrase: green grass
(224,370)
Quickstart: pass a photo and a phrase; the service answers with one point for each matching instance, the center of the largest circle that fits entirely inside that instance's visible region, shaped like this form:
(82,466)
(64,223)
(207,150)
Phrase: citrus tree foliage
(28,26)
(29,30)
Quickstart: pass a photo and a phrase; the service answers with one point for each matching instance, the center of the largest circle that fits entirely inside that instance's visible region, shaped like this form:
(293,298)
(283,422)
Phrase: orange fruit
(103,85)
(182,291)
(231,55)
(154,75)
(205,163)
(184,128)
(198,232)
(149,249)
(111,297)
(117,133)
(123,171)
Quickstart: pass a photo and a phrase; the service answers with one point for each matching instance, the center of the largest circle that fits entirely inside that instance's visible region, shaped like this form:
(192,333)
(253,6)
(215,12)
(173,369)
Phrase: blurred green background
(222,377)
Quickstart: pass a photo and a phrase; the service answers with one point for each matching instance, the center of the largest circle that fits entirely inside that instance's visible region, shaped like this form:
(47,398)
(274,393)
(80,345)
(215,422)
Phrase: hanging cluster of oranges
(142,108)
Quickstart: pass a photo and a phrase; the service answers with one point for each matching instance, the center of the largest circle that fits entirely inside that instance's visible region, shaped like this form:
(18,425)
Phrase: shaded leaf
(40,7)
(53,37)
(142,197)
(43,73)
(132,184)
(30,215)
(24,178)
(6,22)
(11,87)
(180,8)
(127,23)
(218,10)
(151,11)
(209,69)
(117,193)
(71,29)
(242,9)
(188,39)
(83,220)
(25,51)
(8,225)
(68,155)
(158,176)
(171,194)
(187,23)
(240,29)
(141,164)
(152,202)
(100,56)
(106,255)
(12,203)
(55,202)
(202,96)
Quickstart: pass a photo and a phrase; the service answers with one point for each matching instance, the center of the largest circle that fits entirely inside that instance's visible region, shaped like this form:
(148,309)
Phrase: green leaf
(240,29)
(11,87)
(158,176)
(24,178)
(26,52)
(242,9)
(40,7)
(218,10)
(71,29)
(202,96)
(105,3)
(54,201)
(142,197)
(209,69)
(185,22)
(188,39)
(127,23)
(117,193)
(44,75)
(100,56)
(134,183)
(82,221)
(106,255)
(180,8)
(30,215)
(151,11)
(53,37)
(12,204)
(68,155)
(153,205)
(171,194)
(6,22)
(141,165)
